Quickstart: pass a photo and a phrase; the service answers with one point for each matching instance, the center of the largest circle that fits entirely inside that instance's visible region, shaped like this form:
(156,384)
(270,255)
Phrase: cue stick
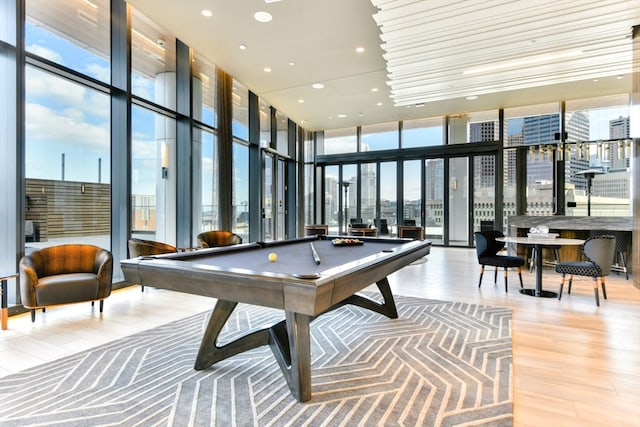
(316,258)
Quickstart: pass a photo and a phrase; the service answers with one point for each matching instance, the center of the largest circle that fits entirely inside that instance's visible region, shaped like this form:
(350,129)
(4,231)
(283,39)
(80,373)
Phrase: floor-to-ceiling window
(597,158)
(240,156)
(67,168)
(433,200)
(67,124)
(152,176)
(204,169)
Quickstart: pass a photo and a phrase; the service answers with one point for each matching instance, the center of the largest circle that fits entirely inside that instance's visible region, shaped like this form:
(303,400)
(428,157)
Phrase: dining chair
(487,248)
(623,242)
(598,252)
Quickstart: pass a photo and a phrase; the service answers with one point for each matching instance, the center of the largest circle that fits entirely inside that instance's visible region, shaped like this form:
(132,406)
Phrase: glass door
(433,200)
(458,208)
(281,209)
(267,197)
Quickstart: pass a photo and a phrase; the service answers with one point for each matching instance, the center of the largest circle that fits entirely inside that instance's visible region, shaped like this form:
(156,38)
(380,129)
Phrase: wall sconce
(620,150)
(164,160)
(627,149)
(606,151)
(454,184)
(560,151)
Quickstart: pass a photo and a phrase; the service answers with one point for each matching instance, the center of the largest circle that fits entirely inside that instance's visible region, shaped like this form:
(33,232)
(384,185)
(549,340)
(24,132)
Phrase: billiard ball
(273,257)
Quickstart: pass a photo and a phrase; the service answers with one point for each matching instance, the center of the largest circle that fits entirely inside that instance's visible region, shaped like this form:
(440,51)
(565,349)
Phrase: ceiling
(421,58)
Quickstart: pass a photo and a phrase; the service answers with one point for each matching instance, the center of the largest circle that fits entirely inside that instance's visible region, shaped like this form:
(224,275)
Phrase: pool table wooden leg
(209,352)
(387,308)
(293,352)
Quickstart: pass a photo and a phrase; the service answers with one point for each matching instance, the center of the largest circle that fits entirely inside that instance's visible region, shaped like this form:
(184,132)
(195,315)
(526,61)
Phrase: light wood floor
(574,364)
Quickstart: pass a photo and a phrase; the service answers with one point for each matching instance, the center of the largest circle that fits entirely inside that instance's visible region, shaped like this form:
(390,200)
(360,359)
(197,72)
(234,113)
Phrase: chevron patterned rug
(439,364)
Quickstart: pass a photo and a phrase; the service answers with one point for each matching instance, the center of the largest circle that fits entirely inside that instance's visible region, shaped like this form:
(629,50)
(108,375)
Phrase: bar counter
(577,227)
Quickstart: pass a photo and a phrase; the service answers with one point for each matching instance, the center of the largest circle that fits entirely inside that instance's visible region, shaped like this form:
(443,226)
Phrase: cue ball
(273,257)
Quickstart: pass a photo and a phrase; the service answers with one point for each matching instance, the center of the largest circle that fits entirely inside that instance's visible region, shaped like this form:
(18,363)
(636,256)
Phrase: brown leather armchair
(214,238)
(65,274)
(141,247)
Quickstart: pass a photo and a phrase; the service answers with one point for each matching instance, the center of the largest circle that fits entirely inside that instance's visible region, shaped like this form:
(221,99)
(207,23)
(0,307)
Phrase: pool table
(301,283)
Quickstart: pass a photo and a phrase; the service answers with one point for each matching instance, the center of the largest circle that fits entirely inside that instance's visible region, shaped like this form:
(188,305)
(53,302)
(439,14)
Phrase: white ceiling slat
(555,41)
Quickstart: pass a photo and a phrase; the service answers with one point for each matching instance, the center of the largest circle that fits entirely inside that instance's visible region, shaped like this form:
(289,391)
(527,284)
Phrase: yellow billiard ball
(273,257)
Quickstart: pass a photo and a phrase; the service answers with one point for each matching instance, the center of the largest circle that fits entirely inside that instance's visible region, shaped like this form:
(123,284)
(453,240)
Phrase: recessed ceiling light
(263,16)
(207,13)
(292,63)
(267,69)
(317,86)
(271,1)
(303,122)
(595,80)
(379,104)
(359,49)
(620,77)
(341,116)
(472,97)
(243,46)
(375,89)
(300,101)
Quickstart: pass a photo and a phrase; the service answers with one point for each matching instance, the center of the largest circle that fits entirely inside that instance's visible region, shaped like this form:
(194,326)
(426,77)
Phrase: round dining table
(538,243)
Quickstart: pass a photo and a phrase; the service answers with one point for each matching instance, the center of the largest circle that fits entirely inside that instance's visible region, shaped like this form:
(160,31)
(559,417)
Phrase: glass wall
(422,132)
(67,169)
(339,141)
(534,127)
(412,197)
(434,200)
(74,34)
(205,178)
(203,96)
(240,106)
(265,124)
(332,197)
(153,59)
(597,160)
(241,190)
(368,194)
(383,136)
(389,195)
(153,176)
(282,136)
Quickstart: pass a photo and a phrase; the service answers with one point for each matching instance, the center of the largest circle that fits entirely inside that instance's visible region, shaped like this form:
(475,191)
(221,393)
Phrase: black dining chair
(598,251)
(487,248)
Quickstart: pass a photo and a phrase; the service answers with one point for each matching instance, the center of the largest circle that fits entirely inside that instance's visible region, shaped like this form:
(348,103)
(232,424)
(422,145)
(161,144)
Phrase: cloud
(99,72)
(45,53)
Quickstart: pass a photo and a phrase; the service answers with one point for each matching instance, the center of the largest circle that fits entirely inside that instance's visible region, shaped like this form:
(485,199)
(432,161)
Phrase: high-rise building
(540,131)
(619,129)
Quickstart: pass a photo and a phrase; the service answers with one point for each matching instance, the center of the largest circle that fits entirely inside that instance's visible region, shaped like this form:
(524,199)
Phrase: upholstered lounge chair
(142,247)
(487,249)
(65,274)
(215,238)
